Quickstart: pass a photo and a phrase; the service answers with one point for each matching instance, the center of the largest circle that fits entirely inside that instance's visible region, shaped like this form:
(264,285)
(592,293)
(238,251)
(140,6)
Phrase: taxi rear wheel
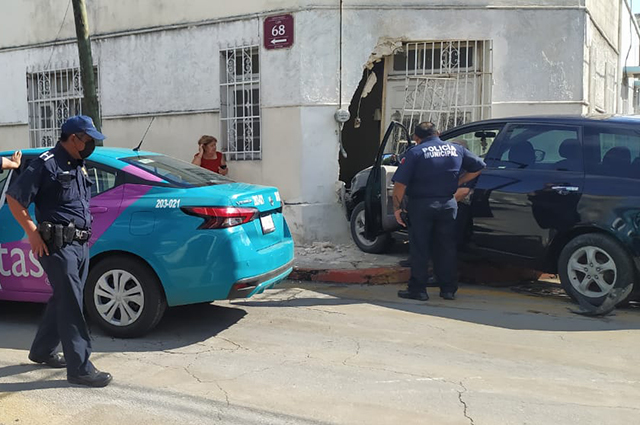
(124,297)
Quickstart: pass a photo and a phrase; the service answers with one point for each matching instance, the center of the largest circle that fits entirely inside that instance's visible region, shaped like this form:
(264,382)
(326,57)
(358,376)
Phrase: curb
(468,273)
(371,276)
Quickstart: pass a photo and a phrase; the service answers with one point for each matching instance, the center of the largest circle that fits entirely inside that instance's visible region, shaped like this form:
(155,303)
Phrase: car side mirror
(389,159)
(485,134)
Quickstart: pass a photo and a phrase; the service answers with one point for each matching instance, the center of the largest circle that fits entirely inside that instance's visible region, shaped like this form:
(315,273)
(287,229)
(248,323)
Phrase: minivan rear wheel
(378,245)
(592,265)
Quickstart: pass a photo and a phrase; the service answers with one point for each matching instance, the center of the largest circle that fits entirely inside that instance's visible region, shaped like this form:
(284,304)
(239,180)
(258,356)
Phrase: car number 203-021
(267,223)
(167,203)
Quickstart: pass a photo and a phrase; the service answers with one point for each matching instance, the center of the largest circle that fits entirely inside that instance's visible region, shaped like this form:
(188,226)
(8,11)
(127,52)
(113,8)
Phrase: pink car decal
(22,277)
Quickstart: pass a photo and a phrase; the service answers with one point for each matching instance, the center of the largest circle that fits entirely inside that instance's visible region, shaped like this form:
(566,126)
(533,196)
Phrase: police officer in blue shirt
(58,183)
(430,174)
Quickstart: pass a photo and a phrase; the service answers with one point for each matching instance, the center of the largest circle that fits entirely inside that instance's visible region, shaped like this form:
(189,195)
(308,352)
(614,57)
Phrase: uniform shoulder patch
(45,156)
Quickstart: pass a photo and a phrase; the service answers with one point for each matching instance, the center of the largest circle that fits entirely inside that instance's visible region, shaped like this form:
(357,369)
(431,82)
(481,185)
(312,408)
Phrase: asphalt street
(343,354)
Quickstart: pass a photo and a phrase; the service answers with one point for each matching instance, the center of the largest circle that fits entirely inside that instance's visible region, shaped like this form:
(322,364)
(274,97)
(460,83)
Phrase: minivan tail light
(222,217)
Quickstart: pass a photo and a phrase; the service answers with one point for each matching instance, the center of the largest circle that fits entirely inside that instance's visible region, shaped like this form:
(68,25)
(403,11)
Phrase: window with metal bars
(53,96)
(446,82)
(240,103)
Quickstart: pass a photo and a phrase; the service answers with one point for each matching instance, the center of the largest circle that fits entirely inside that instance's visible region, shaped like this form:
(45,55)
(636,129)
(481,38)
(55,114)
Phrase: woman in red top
(208,157)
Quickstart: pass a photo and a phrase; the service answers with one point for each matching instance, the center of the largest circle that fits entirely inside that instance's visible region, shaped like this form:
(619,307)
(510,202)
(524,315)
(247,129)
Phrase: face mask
(89,147)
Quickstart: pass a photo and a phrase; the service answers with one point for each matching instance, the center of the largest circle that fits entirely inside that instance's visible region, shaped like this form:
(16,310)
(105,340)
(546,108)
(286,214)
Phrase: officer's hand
(38,247)
(17,157)
(399,218)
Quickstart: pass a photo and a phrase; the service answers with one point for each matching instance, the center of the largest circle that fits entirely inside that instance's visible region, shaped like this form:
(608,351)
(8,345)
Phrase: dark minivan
(560,194)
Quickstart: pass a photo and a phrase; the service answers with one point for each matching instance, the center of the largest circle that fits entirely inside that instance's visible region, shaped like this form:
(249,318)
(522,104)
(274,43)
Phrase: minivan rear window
(177,172)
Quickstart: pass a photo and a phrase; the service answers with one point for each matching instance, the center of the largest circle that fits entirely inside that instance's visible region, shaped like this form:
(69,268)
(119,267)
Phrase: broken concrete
(345,263)
(386,47)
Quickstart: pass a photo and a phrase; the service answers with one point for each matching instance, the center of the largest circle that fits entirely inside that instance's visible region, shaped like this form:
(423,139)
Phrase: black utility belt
(60,234)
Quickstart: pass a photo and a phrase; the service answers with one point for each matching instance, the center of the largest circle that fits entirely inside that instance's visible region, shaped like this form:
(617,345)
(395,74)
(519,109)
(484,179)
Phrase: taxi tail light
(222,217)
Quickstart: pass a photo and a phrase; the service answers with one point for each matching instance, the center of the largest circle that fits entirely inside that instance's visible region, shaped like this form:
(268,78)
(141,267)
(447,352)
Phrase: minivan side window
(478,140)
(540,146)
(613,152)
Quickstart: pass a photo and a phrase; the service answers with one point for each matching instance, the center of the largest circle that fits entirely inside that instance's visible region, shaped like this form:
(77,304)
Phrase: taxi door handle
(98,210)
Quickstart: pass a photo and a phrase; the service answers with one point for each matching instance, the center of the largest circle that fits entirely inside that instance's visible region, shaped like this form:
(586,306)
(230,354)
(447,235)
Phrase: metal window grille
(240,103)
(53,95)
(446,82)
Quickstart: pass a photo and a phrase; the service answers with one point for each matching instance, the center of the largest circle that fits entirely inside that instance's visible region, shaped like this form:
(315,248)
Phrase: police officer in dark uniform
(430,174)
(58,184)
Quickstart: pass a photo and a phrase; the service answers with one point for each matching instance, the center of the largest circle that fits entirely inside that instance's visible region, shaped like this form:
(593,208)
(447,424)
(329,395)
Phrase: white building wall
(532,72)
(601,69)
(629,56)
(37,21)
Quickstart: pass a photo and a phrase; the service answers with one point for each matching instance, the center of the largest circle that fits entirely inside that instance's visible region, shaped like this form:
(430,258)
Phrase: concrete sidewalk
(326,262)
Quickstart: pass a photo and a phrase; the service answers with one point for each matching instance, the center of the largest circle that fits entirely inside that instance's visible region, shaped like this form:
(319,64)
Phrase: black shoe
(420,296)
(96,379)
(56,360)
(448,295)
(405,263)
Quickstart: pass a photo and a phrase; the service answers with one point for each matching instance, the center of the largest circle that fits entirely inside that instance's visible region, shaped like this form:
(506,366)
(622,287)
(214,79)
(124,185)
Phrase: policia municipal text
(429,174)
(58,183)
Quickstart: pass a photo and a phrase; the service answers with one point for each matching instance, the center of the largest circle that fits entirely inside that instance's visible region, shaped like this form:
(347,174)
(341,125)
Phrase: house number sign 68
(278,32)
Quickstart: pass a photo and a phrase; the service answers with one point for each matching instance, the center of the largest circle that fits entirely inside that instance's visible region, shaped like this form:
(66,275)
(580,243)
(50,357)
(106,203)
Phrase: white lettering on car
(3,272)
(39,271)
(19,267)
(167,203)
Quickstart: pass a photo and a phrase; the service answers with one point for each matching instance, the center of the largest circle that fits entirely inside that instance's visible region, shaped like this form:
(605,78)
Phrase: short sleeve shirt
(58,185)
(432,168)
(212,164)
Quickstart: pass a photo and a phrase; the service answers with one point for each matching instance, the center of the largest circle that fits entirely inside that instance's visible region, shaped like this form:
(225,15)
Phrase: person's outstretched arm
(14,162)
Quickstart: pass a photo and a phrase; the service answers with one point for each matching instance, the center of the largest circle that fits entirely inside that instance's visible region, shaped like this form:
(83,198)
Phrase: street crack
(239,347)
(344,362)
(226,394)
(460,393)
(326,311)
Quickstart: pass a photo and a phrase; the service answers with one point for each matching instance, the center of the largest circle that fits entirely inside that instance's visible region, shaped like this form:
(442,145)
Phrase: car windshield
(398,142)
(396,146)
(177,172)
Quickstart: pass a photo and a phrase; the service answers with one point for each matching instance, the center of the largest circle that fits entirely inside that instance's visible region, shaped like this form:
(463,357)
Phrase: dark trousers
(63,320)
(432,235)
